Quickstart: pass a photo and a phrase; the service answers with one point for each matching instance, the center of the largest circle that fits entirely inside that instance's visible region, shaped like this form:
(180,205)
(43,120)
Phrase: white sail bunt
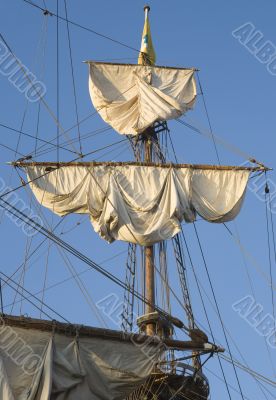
(140,204)
(131,98)
(35,364)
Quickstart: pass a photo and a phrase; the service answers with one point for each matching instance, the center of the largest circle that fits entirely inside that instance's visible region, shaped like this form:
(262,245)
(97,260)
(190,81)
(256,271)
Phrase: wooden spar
(149,282)
(149,254)
(141,66)
(71,330)
(139,164)
(149,287)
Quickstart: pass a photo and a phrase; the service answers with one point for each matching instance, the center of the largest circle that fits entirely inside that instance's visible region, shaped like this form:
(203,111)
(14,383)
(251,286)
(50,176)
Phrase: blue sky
(240,97)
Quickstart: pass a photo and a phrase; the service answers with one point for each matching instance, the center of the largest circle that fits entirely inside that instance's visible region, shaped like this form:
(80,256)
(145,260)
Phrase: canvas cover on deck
(139,204)
(38,365)
(131,98)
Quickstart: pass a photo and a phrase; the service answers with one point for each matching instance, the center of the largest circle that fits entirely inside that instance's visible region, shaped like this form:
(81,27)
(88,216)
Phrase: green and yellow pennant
(147,53)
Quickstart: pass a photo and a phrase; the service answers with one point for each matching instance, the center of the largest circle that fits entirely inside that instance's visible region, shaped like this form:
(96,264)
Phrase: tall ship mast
(143,202)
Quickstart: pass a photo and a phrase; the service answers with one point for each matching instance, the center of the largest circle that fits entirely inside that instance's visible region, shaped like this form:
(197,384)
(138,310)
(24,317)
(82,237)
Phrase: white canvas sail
(140,204)
(35,364)
(131,98)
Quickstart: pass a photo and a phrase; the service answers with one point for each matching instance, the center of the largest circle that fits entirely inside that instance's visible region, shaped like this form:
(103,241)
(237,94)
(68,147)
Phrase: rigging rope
(10,281)
(30,255)
(213,138)
(45,276)
(45,6)
(70,277)
(33,137)
(249,256)
(183,280)
(12,150)
(44,3)
(81,26)
(199,290)
(28,247)
(216,341)
(29,221)
(259,270)
(73,75)
(218,310)
(42,74)
(35,89)
(68,130)
(232,148)
(268,207)
(83,120)
(252,291)
(208,118)
(48,172)
(250,371)
(42,39)
(220,379)
(205,312)
(57,76)
(78,281)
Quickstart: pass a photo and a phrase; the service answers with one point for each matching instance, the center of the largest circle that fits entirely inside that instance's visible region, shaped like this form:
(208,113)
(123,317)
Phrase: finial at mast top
(147,8)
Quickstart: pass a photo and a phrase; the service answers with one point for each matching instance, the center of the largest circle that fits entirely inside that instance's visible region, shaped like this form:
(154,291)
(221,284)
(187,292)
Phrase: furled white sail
(40,365)
(139,204)
(131,98)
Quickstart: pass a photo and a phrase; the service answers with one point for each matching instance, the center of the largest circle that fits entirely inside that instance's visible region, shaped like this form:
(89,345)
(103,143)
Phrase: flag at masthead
(147,53)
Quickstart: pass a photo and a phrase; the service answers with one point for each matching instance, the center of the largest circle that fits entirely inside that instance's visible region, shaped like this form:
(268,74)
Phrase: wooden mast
(149,253)
(149,250)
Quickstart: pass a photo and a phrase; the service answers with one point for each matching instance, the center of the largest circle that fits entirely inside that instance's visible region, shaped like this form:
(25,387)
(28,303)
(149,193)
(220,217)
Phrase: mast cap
(147,8)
